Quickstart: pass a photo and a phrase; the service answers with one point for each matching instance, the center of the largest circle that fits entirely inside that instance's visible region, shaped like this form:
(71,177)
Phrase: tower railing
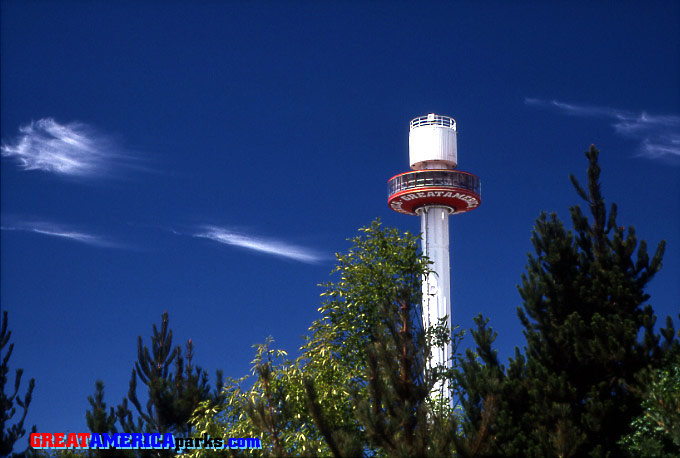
(433,120)
(430,178)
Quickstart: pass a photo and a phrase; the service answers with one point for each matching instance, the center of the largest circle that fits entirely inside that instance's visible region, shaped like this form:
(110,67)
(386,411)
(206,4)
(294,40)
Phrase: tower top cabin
(432,143)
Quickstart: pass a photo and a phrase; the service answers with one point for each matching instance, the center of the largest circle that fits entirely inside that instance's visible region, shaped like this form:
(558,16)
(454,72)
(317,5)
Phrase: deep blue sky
(138,136)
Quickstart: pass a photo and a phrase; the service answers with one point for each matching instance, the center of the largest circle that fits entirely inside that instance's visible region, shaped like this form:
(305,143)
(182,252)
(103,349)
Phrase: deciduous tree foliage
(589,334)
(656,432)
(395,406)
(360,385)
(400,412)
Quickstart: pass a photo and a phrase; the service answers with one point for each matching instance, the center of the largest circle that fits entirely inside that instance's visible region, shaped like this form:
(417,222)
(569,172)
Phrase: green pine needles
(10,432)
(589,336)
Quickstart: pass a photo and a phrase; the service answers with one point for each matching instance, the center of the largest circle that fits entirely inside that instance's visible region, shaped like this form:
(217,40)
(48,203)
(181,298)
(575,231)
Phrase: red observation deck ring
(450,188)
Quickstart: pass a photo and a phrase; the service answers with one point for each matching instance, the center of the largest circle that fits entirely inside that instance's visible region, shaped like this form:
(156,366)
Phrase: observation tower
(434,189)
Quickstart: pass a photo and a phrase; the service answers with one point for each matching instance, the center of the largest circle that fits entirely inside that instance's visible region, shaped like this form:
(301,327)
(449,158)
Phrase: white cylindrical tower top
(432,143)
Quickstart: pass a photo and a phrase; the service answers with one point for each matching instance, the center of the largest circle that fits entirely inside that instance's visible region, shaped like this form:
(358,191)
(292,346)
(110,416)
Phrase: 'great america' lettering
(460,200)
(103,441)
(470,200)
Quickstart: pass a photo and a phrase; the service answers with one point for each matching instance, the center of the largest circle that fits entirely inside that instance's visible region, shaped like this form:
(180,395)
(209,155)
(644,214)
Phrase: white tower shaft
(434,189)
(434,225)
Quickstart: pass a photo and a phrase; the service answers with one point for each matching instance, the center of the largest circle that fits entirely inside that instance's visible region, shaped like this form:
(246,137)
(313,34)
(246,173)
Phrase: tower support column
(434,226)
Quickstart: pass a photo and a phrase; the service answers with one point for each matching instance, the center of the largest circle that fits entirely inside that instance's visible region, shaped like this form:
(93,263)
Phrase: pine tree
(584,308)
(172,395)
(10,434)
(98,419)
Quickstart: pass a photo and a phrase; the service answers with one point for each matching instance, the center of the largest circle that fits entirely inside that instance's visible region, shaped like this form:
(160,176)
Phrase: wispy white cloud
(60,231)
(264,245)
(74,149)
(658,135)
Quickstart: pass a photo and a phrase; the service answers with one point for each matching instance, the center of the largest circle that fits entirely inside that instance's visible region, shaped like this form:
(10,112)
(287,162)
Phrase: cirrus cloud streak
(60,231)
(260,244)
(658,135)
